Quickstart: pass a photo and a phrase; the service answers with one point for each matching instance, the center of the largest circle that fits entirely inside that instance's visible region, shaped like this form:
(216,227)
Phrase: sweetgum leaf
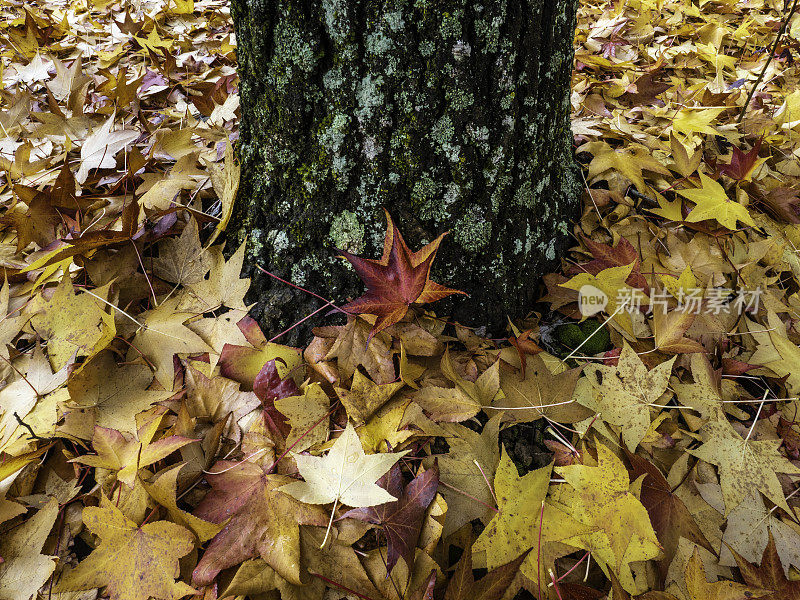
(401,520)
(396,281)
(131,562)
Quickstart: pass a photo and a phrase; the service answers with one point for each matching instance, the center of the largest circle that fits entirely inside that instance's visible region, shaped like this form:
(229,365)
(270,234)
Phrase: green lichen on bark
(454,115)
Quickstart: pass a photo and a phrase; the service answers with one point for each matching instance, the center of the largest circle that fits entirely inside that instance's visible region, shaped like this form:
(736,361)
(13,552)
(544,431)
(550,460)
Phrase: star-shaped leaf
(743,163)
(549,395)
(491,586)
(306,414)
(182,260)
(749,529)
(365,397)
(126,454)
(399,279)
(744,465)
(116,394)
(626,393)
(713,203)
(131,562)
(163,489)
(522,522)
(223,287)
(263,521)
(72,324)
(354,346)
(604,499)
(701,589)
(770,575)
(612,283)
(346,474)
(163,336)
(605,256)
(401,520)
(24,568)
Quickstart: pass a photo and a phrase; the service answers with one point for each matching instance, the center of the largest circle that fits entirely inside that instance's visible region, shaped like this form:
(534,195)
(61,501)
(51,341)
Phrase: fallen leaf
(604,499)
(701,589)
(24,569)
(345,474)
(132,563)
(744,465)
(264,521)
(396,281)
(627,392)
(713,203)
(401,520)
(100,148)
(73,324)
(769,575)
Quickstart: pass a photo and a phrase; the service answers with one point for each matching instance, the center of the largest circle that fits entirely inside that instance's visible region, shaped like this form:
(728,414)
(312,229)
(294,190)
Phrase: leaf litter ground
(155,443)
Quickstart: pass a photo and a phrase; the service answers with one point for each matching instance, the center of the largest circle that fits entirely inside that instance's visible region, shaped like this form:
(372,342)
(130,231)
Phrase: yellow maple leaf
(689,121)
(629,161)
(516,527)
(713,204)
(604,499)
(163,489)
(164,335)
(627,392)
(744,465)
(73,324)
(115,394)
(131,562)
(671,211)
(700,588)
(365,397)
(306,415)
(154,42)
(610,282)
(126,454)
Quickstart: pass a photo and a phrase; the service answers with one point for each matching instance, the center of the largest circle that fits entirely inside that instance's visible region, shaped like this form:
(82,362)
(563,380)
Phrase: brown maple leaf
(668,514)
(769,575)
(491,586)
(263,521)
(396,281)
(401,520)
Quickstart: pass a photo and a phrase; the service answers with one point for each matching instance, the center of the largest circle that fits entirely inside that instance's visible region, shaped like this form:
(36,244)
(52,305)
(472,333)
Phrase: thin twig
(769,60)
(28,427)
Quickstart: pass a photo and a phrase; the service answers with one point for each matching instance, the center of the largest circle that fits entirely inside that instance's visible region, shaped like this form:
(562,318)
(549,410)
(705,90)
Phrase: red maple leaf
(396,281)
(269,386)
(605,257)
(741,162)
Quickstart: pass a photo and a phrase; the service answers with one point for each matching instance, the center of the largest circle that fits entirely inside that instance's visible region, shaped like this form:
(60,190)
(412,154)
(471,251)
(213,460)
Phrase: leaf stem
(330,522)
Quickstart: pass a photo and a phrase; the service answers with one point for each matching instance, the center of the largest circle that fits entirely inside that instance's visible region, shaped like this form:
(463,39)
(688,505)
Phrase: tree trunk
(452,114)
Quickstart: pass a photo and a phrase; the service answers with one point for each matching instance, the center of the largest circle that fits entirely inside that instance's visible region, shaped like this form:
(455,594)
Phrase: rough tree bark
(453,114)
